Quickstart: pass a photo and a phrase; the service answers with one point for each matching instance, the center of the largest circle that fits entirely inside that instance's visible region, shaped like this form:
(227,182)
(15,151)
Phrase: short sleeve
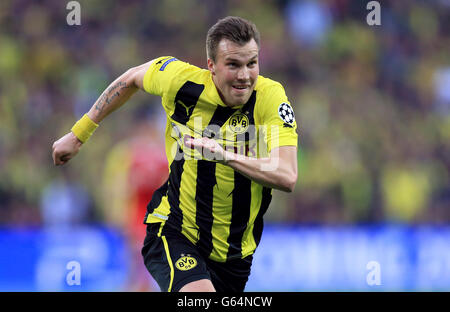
(278,118)
(159,76)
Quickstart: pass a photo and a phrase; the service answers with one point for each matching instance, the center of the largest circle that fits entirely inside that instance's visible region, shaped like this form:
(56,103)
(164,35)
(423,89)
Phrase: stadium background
(371,208)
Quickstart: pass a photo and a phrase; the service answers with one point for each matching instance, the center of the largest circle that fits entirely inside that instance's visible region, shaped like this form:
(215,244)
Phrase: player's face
(235,71)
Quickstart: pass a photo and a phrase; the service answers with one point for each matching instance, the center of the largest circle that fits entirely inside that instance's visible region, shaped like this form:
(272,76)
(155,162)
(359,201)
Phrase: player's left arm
(278,171)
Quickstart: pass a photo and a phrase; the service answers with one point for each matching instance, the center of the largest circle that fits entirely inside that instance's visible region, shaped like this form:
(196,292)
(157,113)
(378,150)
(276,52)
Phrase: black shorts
(174,261)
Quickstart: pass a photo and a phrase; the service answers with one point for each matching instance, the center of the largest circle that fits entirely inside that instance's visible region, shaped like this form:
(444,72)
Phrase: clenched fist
(65,149)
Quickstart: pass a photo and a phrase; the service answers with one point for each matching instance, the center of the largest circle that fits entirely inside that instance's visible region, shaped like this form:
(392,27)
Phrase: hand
(209,149)
(65,149)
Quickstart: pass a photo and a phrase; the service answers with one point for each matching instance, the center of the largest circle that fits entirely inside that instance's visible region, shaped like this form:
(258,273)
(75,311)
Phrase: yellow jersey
(215,207)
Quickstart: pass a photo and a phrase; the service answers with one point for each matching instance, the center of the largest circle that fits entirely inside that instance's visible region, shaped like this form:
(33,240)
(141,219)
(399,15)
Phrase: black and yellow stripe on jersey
(216,208)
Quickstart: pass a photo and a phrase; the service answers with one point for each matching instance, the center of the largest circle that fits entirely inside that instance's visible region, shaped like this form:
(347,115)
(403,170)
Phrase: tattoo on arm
(109,95)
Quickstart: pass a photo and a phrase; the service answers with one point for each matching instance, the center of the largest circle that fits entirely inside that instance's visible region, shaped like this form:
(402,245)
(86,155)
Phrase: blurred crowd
(372,104)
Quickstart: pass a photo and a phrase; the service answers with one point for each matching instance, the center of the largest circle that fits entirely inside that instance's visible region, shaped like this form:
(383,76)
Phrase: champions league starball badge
(286,113)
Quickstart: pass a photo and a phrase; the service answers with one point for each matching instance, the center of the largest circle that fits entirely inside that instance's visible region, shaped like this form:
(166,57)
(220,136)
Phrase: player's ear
(211,66)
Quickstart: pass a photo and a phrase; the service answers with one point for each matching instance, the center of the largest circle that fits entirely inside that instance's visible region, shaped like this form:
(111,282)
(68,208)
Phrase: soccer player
(230,139)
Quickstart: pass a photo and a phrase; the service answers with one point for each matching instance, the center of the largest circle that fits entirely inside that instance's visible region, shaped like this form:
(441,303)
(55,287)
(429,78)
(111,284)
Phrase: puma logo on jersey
(184,105)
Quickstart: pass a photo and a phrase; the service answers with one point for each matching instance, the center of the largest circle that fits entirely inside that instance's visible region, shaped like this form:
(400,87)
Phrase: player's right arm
(111,99)
(118,92)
